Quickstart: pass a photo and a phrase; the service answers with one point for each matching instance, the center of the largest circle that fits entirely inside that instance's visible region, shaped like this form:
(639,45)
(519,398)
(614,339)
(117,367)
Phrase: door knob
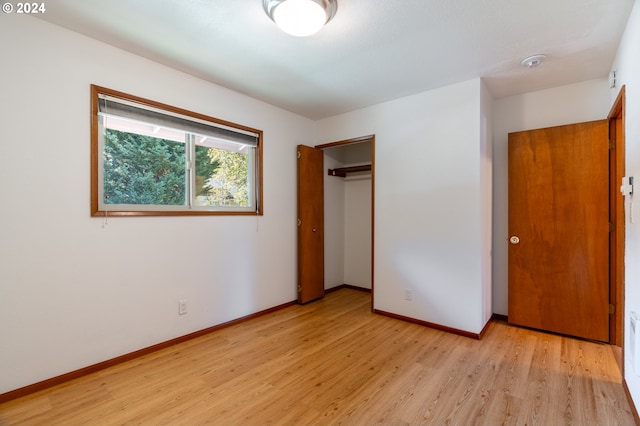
(514,240)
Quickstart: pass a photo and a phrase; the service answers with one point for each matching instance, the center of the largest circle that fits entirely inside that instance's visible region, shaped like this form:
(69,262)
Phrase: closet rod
(342,171)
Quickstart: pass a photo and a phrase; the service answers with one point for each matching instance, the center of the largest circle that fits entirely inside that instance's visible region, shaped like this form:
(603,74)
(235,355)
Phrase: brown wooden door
(559,229)
(310,224)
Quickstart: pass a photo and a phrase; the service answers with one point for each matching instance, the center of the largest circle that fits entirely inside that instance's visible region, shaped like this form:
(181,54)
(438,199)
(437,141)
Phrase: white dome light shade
(300,18)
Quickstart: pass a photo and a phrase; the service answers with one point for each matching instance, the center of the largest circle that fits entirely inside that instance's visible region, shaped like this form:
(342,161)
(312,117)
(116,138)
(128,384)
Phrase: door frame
(372,139)
(617,217)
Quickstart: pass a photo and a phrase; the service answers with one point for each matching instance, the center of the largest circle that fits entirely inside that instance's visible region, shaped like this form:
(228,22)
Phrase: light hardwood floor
(334,362)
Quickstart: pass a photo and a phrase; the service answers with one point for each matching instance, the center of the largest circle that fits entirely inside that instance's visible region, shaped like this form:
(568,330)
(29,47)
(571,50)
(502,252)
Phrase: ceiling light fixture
(533,61)
(300,18)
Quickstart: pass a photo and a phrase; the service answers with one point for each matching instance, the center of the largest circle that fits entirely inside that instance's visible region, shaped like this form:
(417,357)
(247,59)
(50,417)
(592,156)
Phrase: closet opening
(349,180)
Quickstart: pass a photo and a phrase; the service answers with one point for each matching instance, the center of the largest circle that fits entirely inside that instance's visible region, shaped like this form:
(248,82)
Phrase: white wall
(357,230)
(428,232)
(486,200)
(74,292)
(627,65)
(334,207)
(575,103)
(357,217)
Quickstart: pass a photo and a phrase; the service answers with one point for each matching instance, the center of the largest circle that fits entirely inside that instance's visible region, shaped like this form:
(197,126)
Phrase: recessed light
(533,60)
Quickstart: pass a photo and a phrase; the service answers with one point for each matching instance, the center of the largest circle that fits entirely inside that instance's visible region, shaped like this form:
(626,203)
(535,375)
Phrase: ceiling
(372,51)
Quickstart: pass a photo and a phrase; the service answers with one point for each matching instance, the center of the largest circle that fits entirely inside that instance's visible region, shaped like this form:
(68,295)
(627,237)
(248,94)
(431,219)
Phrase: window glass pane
(151,159)
(142,169)
(222,174)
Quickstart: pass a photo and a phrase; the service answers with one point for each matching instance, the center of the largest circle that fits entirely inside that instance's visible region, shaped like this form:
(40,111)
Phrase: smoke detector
(533,61)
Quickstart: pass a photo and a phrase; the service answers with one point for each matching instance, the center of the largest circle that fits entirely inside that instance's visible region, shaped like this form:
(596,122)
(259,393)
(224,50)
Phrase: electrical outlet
(182,307)
(408,294)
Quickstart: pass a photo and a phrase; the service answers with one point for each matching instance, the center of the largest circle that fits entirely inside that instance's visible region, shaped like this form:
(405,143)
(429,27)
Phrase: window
(149,158)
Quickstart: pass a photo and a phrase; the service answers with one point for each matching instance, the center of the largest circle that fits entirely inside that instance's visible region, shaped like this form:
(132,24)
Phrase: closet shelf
(343,171)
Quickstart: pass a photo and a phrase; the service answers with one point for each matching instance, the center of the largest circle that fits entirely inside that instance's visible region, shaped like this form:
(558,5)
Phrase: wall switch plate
(182,307)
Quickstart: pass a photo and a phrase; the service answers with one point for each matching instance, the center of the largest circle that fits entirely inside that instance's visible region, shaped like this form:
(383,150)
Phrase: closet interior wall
(347,205)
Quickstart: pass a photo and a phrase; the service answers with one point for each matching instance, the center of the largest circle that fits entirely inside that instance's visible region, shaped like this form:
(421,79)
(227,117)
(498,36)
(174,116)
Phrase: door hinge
(299,222)
(299,155)
(612,227)
(612,308)
(612,144)
(299,288)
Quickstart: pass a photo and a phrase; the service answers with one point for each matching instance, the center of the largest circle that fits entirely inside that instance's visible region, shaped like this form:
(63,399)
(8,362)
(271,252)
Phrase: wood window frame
(96,91)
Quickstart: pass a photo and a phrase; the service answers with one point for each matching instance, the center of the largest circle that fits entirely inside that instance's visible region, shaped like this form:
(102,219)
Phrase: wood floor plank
(334,362)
